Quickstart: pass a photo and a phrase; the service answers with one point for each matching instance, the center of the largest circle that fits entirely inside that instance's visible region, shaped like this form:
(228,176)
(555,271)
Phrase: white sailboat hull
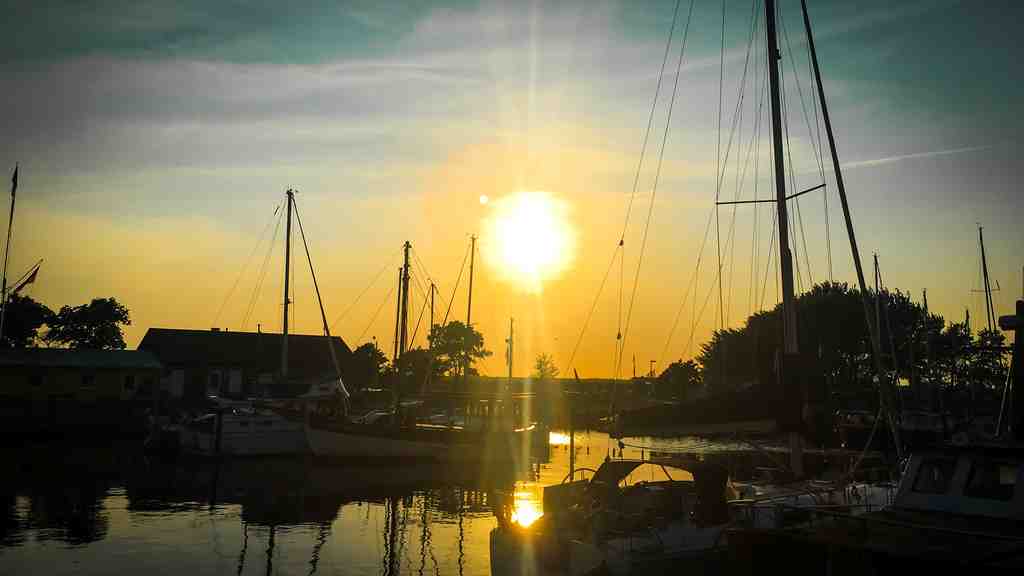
(249,436)
(342,444)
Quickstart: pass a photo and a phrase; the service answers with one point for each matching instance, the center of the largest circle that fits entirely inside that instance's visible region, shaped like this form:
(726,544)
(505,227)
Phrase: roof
(308,356)
(65,358)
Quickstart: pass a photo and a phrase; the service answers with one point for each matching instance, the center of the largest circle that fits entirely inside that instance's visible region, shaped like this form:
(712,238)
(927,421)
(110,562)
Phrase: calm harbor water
(110,510)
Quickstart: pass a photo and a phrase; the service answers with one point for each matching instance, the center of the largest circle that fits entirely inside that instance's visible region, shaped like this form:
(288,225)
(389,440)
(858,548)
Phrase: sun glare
(526,509)
(530,238)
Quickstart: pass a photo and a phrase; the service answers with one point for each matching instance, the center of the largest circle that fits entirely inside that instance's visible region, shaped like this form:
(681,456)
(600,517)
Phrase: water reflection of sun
(526,506)
(529,238)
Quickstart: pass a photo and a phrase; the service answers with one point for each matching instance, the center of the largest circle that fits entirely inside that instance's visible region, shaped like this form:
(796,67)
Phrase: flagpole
(7,253)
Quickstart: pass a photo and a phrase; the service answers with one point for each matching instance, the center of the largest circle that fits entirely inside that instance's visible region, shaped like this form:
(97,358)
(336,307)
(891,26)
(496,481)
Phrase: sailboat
(265,427)
(398,436)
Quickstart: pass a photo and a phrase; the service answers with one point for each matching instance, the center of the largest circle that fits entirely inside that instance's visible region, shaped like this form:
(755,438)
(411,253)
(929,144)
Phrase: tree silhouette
(366,366)
(96,325)
(544,367)
(678,380)
(456,347)
(24,318)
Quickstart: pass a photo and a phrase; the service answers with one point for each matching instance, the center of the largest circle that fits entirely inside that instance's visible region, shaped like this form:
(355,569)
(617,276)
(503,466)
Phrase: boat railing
(760,513)
(863,524)
(571,477)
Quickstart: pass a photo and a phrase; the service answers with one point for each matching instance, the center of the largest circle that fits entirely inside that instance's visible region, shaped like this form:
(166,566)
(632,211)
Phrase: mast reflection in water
(108,510)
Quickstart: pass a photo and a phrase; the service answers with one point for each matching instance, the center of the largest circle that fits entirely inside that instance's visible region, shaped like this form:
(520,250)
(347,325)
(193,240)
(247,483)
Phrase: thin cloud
(915,156)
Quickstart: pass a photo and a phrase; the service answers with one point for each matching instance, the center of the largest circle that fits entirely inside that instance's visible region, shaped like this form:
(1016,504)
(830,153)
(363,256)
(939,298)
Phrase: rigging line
(650,120)
(700,315)
(792,183)
(616,358)
(755,247)
(458,279)
(657,176)
(732,133)
(771,257)
(740,174)
(423,269)
(718,166)
(366,289)
(245,266)
(593,305)
(810,132)
(376,313)
(263,272)
(799,89)
(423,308)
(821,166)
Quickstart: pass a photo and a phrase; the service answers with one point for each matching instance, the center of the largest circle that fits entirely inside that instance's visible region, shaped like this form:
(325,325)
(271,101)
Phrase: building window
(88,380)
(129,383)
(934,475)
(992,481)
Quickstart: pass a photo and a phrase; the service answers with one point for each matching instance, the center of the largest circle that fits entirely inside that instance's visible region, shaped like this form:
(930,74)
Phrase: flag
(29,280)
(14,181)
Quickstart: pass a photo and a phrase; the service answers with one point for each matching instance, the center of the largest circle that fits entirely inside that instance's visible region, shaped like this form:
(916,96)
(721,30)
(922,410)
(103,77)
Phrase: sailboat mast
(469,305)
(789,327)
(7,252)
(398,320)
(404,342)
(873,330)
(433,289)
(287,267)
(323,313)
(989,309)
(511,347)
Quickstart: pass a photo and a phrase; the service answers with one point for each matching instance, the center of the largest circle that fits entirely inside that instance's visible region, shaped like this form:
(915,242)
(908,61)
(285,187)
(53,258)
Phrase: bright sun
(530,239)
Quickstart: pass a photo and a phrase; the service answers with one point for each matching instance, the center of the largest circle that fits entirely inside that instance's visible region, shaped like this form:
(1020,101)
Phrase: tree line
(96,325)
(931,357)
(453,351)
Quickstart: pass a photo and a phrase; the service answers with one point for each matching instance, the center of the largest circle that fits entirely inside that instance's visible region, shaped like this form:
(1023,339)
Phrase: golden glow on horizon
(530,238)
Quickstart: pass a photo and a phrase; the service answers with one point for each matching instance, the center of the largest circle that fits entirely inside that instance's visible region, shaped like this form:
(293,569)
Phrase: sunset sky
(156,142)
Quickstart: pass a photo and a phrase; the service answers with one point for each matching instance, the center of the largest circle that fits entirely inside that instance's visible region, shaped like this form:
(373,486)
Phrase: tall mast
(287,267)
(404,342)
(873,331)
(398,320)
(469,305)
(790,347)
(433,289)
(7,252)
(989,309)
(511,347)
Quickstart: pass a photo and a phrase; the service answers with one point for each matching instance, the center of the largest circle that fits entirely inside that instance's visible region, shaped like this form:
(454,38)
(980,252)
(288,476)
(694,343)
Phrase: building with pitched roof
(199,363)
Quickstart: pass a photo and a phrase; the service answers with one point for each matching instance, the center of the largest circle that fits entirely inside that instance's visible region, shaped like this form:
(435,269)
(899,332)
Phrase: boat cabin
(965,480)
